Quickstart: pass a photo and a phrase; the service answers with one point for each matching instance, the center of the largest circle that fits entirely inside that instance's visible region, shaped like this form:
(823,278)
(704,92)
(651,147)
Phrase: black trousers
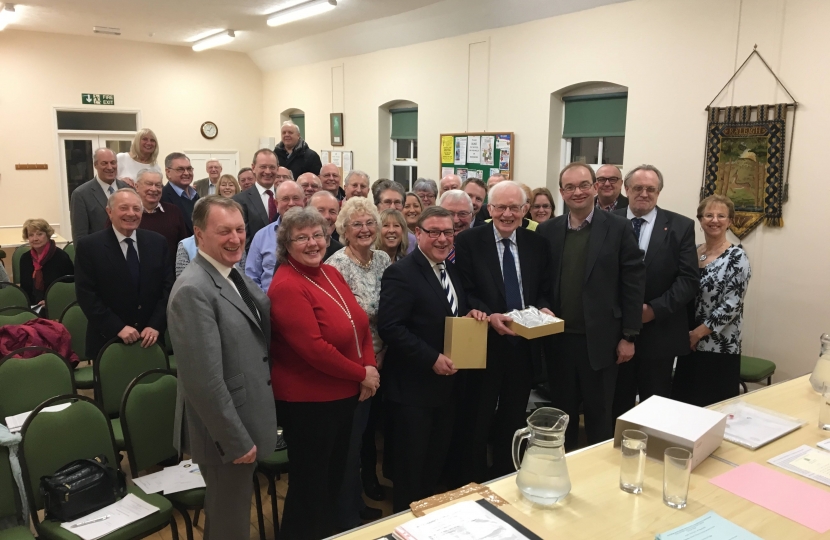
(644,376)
(317,434)
(703,378)
(573,382)
(499,397)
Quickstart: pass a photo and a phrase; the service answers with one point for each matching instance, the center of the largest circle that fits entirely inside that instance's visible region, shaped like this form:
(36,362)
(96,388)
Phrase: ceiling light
(106,30)
(302,11)
(217,40)
(7,15)
(203,35)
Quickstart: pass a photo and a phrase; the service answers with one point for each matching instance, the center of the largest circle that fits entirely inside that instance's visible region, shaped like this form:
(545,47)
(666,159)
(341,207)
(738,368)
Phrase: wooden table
(597,509)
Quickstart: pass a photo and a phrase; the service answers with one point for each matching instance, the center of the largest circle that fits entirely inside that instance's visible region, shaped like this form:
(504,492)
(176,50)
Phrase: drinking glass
(824,409)
(633,463)
(677,468)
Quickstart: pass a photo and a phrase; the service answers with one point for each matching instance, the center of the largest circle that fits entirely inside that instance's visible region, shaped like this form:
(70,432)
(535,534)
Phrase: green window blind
(600,115)
(299,119)
(404,123)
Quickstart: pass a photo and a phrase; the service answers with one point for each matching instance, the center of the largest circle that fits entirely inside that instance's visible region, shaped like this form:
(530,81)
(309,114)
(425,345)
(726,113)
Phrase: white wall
(174,88)
(673,55)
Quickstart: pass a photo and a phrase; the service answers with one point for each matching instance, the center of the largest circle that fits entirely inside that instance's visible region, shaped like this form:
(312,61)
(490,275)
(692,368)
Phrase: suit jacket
(253,211)
(612,294)
(87,208)
(224,373)
(622,203)
(169,195)
(411,316)
(201,186)
(105,291)
(672,281)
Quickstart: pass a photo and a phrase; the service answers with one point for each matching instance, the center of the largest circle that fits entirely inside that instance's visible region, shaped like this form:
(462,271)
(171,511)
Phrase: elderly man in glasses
(609,189)
(178,190)
(461,207)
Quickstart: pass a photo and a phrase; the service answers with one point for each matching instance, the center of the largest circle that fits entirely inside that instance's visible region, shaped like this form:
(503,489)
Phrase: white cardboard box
(672,423)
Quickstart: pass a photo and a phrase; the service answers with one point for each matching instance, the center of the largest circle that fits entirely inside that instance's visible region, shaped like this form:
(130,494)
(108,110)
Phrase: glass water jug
(543,474)
(821,374)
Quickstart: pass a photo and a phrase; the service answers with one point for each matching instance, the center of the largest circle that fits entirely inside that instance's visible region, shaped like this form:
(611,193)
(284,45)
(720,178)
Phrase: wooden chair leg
(196,517)
(188,525)
(174,528)
(769,380)
(260,518)
(275,513)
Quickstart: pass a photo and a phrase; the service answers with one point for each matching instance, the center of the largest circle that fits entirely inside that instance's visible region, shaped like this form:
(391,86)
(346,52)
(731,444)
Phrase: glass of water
(824,410)
(677,469)
(633,462)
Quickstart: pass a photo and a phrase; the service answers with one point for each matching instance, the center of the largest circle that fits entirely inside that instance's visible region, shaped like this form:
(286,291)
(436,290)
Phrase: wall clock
(209,130)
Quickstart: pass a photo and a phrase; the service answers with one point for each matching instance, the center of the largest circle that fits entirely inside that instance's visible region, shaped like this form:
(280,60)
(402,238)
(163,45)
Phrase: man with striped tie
(461,207)
(417,294)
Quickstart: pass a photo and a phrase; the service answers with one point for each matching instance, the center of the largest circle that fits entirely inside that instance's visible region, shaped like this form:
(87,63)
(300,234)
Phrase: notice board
(481,154)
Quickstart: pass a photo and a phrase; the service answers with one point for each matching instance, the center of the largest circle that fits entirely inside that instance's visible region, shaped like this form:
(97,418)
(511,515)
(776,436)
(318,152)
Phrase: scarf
(40,261)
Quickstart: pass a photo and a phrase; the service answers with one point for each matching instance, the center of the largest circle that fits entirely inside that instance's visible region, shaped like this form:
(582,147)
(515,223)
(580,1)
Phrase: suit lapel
(658,236)
(98,194)
(227,292)
(432,279)
(491,257)
(256,202)
(599,229)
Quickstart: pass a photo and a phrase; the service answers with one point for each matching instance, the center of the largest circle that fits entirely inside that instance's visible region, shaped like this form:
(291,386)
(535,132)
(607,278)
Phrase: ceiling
(354,27)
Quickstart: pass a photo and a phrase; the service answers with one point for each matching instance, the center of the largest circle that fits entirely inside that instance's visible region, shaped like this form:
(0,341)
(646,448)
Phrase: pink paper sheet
(784,495)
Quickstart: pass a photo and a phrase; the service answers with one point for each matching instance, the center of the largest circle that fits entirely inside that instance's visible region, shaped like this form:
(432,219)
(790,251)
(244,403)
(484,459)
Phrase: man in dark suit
(597,288)
(503,267)
(609,189)
(477,190)
(672,280)
(259,206)
(178,190)
(87,206)
(417,294)
(328,206)
(123,277)
(207,186)
(220,327)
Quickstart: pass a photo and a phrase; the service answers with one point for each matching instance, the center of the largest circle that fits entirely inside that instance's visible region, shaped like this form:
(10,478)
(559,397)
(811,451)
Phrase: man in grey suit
(220,326)
(207,186)
(259,207)
(87,206)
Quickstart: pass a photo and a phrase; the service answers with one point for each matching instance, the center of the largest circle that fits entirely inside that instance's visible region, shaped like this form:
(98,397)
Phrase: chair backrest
(16,315)
(54,439)
(70,250)
(26,382)
(147,415)
(117,365)
(9,501)
(12,295)
(18,253)
(74,320)
(59,295)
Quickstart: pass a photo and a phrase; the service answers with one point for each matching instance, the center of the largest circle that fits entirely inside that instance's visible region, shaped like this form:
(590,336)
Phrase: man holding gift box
(503,267)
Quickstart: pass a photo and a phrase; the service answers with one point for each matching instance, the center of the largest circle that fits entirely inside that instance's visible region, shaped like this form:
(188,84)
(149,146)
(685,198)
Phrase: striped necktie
(451,256)
(445,283)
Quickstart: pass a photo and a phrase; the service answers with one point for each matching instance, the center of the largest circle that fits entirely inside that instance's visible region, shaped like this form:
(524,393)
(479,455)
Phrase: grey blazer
(87,208)
(201,187)
(224,376)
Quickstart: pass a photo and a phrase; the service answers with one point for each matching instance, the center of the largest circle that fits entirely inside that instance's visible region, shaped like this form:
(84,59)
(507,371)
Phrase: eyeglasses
(464,214)
(541,207)
(715,217)
(570,188)
(294,199)
(182,170)
(357,225)
(610,179)
(429,196)
(390,202)
(435,234)
(303,239)
(501,208)
(651,190)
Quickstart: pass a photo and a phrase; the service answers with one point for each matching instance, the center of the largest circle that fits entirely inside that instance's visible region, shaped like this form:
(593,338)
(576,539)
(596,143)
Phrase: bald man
(448,183)
(294,153)
(332,181)
(310,184)
(609,189)
(88,201)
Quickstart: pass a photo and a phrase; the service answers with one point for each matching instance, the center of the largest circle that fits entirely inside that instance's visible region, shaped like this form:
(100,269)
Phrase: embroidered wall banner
(745,162)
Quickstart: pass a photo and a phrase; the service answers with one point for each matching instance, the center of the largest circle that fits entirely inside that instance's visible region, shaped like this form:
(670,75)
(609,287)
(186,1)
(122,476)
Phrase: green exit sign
(98,99)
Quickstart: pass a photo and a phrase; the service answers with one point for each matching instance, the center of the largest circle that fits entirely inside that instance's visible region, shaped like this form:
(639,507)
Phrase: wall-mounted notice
(460,151)
(474,149)
(447,148)
(487,147)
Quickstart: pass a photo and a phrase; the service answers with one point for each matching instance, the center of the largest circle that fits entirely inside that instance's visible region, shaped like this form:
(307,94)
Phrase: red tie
(272,206)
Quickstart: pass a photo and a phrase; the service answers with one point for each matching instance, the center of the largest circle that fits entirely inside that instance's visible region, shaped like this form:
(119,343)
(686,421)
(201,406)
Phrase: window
(299,120)
(96,121)
(404,137)
(595,128)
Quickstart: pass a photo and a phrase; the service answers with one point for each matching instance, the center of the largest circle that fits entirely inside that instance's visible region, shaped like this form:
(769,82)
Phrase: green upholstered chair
(59,295)
(147,415)
(70,250)
(74,320)
(18,253)
(10,509)
(116,366)
(168,348)
(16,315)
(271,468)
(755,370)
(11,295)
(27,382)
(83,432)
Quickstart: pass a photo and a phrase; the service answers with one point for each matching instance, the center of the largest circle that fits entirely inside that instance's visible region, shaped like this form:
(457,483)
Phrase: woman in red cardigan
(323,363)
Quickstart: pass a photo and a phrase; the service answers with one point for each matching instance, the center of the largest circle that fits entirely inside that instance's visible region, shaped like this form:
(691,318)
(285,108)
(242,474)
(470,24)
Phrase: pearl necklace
(342,304)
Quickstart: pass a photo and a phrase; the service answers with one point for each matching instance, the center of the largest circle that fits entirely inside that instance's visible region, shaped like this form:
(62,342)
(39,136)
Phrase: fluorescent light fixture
(106,30)
(203,35)
(217,40)
(7,15)
(301,11)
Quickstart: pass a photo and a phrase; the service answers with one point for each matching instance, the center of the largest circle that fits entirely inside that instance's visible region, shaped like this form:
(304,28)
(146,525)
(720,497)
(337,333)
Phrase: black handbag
(80,488)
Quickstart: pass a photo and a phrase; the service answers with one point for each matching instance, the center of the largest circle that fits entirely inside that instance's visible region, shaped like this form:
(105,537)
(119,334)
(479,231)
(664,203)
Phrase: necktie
(132,262)
(637,223)
(244,292)
(445,283)
(111,190)
(272,206)
(512,291)
(451,256)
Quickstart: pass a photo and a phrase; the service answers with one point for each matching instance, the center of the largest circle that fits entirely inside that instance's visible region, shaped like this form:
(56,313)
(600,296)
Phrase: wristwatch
(631,338)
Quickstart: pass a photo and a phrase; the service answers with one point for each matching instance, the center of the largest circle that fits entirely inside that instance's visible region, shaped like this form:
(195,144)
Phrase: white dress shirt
(514,250)
(437,272)
(646,228)
(224,271)
(264,196)
(106,187)
(120,237)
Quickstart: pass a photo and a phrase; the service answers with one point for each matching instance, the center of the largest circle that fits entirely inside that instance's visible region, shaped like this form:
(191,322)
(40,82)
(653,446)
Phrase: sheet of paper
(347,162)
(460,151)
(324,156)
(337,158)
(824,444)
(488,147)
(128,510)
(182,477)
(473,173)
(15,423)
(784,495)
(151,483)
(752,427)
(709,526)
(447,170)
(464,521)
(504,158)
(503,142)
(462,174)
(807,462)
(447,149)
(494,171)
(474,149)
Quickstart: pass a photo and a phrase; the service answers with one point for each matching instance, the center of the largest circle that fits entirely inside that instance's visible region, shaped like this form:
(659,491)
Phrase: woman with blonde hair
(227,186)
(44,263)
(393,238)
(144,152)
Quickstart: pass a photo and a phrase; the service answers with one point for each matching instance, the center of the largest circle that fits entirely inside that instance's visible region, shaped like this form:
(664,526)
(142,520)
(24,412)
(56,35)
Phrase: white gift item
(531,317)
